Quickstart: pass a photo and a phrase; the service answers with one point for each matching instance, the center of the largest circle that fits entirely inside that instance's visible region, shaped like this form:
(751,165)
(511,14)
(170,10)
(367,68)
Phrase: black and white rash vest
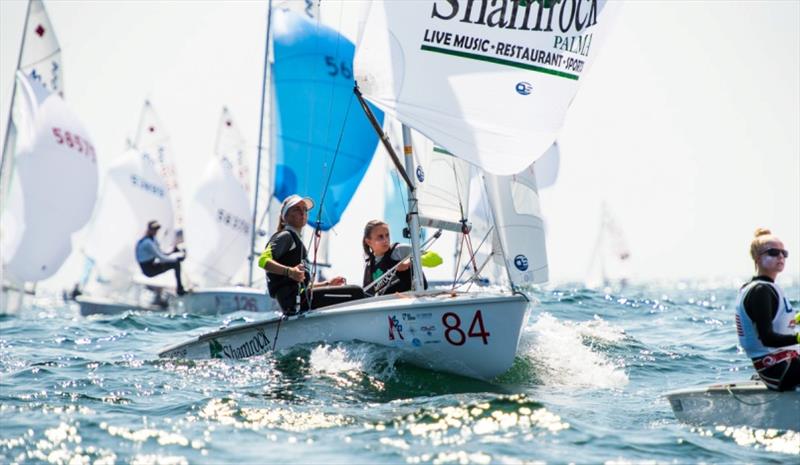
(782,323)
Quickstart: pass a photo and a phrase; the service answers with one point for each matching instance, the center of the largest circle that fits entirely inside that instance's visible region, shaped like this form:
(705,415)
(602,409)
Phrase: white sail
(519,225)
(547,167)
(133,193)
(13,220)
(498,77)
(57,172)
(442,185)
(442,180)
(153,139)
(231,145)
(610,259)
(218,225)
(40,59)
(41,54)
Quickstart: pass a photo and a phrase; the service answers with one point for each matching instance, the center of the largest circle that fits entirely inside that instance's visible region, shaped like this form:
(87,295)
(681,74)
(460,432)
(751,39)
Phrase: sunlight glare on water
(587,387)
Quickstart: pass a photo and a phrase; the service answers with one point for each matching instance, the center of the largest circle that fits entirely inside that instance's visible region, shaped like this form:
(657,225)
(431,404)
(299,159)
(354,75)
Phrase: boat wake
(565,353)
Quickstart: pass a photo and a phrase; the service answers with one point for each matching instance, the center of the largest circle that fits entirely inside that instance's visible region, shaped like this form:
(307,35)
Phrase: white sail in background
(610,260)
(218,226)
(519,225)
(57,173)
(41,52)
(40,59)
(153,140)
(495,102)
(13,220)
(547,167)
(133,193)
(231,145)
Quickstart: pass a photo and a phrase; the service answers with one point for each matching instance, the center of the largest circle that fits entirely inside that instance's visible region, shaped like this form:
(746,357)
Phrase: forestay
(489,81)
(133,193)
(322,140)
(57,172)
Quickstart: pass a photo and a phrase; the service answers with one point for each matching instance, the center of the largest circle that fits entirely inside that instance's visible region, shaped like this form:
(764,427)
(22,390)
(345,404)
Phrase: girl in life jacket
(381,256)
(766,323)
(285,258)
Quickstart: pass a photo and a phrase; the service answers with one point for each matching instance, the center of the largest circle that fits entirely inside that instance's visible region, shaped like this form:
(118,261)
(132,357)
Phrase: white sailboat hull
(214,301)
(474,335)
(747,403)
(103,306)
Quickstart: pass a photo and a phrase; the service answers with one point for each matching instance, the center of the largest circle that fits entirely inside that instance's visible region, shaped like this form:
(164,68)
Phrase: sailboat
(48,175)
(742,403)
(219,230)
(439,71)
(611,256)
(135,190)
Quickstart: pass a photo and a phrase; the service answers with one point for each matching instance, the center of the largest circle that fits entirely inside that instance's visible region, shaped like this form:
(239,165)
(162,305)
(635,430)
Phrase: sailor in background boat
(766,323)
(383,256)
(285,258)
(153,261)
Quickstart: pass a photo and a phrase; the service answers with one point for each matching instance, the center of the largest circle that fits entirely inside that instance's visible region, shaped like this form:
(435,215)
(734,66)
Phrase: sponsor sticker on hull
(257,345)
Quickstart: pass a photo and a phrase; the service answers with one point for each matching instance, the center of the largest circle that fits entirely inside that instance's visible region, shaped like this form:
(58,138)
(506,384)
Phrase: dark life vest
(399,281)
(291,258)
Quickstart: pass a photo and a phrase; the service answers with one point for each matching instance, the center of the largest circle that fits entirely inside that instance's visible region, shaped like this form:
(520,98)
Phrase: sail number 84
(456,336)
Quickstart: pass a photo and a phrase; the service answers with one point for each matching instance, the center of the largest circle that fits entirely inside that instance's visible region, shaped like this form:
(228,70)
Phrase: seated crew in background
(153,261)
(766,323)
(285,258)
(381,255)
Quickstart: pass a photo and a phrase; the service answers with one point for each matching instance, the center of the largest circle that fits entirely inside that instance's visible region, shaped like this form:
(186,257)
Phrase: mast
(5,177)
(413,211)
(260,141)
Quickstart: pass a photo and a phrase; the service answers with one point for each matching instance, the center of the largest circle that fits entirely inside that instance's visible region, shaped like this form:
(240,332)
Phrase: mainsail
(231,145)
(610,260)
(323,144)
(218,225)
(153,140)
(489,82)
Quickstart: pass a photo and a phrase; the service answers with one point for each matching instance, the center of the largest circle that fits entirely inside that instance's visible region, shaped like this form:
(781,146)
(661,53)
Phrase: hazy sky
(688,125)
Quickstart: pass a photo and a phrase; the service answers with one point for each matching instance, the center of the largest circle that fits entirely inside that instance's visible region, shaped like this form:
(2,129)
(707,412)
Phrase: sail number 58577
(456,336)
(75,142)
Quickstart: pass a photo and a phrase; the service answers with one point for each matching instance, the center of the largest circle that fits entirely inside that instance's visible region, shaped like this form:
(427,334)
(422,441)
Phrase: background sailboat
(219,232)
(611,256)
(134,192)
(48,175)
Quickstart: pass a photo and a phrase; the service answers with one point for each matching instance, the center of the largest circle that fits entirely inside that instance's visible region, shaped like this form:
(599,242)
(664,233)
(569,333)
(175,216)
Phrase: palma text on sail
(568,21)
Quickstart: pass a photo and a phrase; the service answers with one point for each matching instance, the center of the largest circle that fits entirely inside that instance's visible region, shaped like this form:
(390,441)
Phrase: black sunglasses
(776,252)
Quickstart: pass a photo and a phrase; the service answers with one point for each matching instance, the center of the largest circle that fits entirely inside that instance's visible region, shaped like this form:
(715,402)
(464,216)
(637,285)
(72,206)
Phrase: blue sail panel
(316,113)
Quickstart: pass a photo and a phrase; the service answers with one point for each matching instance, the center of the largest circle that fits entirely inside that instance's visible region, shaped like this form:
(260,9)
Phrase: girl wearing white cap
(285,257)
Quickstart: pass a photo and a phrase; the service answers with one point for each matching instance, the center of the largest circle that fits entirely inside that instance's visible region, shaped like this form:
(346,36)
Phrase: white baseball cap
(293,200)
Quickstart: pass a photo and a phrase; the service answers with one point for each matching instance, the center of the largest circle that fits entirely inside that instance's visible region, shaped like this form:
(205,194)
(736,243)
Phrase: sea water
(587,387)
